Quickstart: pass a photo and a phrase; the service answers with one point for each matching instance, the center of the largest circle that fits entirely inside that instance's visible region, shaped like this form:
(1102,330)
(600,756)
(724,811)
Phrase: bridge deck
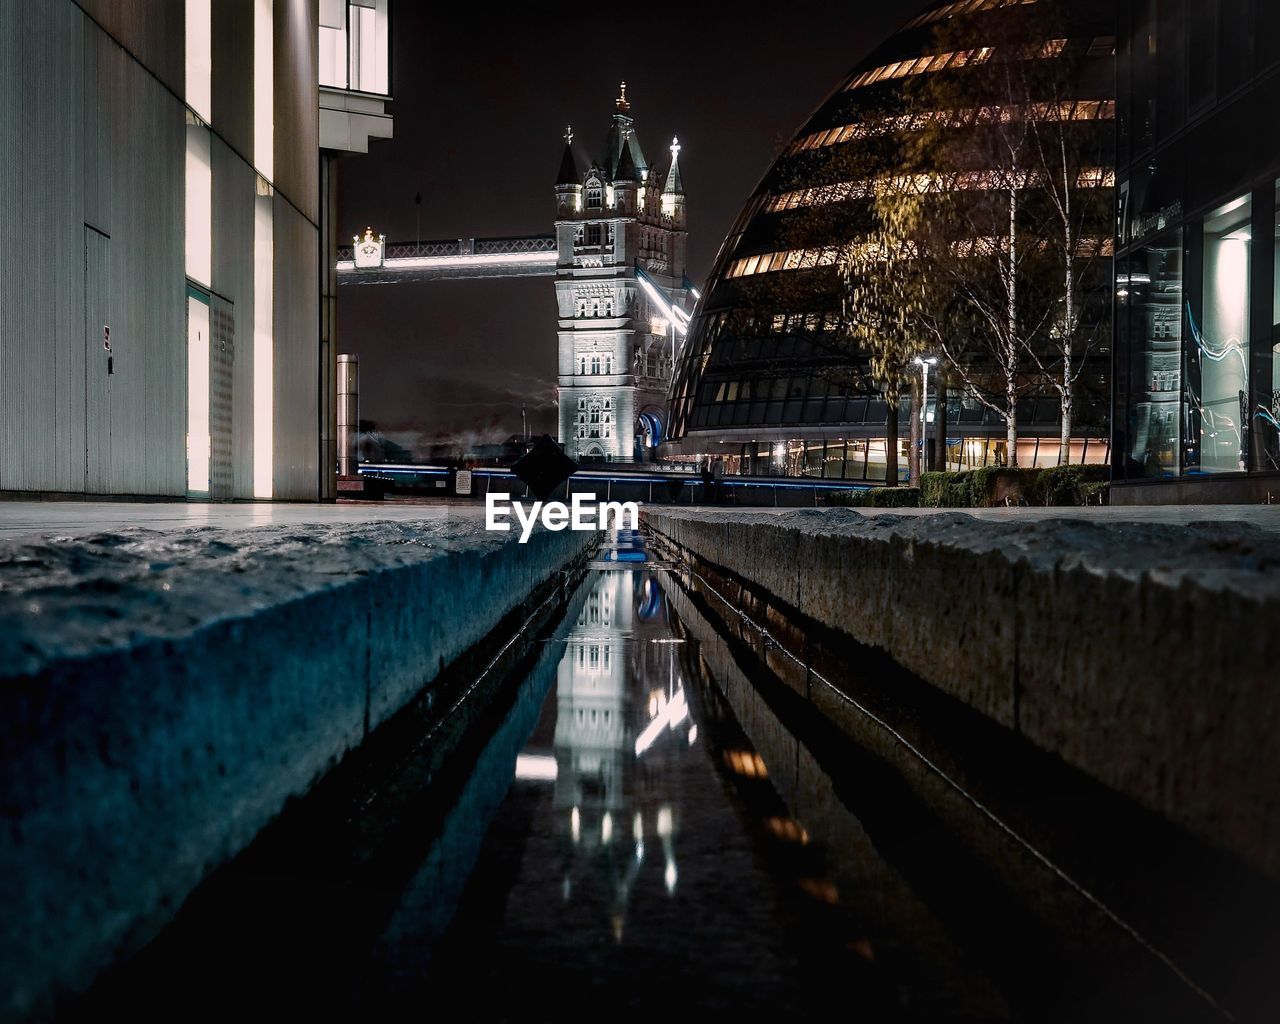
(453,259)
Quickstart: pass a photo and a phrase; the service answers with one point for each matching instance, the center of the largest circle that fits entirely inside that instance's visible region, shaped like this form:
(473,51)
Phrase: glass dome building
(764,380)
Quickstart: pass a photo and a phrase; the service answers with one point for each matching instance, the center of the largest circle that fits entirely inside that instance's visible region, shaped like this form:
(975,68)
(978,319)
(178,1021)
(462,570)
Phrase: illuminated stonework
(620,231)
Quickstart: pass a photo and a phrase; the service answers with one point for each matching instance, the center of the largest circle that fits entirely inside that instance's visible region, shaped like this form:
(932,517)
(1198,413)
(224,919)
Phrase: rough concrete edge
(1051,648)
(133,799)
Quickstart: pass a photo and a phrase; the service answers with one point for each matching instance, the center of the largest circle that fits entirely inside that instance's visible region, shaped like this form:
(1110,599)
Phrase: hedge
(1057,486)
(875,497)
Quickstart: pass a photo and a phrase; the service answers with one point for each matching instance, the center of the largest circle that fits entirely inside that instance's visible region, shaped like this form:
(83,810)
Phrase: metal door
(99,364)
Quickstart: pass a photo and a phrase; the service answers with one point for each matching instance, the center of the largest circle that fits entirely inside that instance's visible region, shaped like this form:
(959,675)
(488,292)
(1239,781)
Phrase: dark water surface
(649,824)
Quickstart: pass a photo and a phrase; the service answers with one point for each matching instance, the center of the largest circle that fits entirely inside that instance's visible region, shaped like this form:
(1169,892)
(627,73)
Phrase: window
(199,58)
(264,89)
(595,195)
(1218,346)
(591,235)
(595,365)
(355,45)
(1267,416)
(199,204)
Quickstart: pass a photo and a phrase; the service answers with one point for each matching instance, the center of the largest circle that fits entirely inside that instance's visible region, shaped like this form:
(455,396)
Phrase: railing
(461,247)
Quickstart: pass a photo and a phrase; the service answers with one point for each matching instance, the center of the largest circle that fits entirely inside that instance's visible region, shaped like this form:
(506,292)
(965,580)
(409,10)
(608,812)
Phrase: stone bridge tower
(616,347)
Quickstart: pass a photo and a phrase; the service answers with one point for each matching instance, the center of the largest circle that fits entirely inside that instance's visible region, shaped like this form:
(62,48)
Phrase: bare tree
(1074,160)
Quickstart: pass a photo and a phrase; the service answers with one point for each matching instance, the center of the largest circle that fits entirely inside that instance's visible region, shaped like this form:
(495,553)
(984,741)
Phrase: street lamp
(924,362)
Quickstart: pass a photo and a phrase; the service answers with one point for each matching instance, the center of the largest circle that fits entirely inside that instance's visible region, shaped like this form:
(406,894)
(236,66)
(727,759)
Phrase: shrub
(1096,493)
(875,497)
(1064,485)
(993,486)
(945,490)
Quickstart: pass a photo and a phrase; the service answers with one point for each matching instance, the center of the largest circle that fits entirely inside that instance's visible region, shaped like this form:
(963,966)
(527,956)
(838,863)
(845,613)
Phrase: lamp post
(924,362)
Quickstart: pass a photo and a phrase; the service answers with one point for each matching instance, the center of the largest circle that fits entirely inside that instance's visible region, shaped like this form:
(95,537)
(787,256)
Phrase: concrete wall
(142,752)
(92,139)
(1144,654)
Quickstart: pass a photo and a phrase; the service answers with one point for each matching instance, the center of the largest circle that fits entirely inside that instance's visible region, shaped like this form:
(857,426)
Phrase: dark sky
(481,101)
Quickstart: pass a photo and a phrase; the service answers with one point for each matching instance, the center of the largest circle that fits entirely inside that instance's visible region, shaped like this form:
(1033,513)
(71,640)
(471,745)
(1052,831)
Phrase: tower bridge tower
(617,349)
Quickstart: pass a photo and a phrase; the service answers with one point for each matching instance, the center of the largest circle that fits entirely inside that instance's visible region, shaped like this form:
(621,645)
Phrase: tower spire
(623,105)
(674,185)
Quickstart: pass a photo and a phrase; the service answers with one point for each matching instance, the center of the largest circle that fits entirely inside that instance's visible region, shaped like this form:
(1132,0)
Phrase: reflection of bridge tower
(591,731)
(616,349)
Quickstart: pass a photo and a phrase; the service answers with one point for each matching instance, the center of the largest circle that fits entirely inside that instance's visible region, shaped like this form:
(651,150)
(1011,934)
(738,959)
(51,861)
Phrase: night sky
(482,95)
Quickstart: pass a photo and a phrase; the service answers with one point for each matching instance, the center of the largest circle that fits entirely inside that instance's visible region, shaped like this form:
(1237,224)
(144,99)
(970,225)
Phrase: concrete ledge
(1148,655)
(163,694)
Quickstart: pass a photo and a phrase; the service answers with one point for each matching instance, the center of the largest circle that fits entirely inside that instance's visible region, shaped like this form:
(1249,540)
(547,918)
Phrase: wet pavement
(646,825)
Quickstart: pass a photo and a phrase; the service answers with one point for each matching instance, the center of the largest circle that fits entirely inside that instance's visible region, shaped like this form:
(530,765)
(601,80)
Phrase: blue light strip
(589,474)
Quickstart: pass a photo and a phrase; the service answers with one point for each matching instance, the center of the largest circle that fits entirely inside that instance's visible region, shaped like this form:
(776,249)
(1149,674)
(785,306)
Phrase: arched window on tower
(595,364)
(608,364)
(595,194)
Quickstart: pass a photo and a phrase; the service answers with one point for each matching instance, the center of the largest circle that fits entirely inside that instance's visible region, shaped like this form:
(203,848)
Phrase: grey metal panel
(135,152)
(233,74)
(297,105)
(154,31)
(296,362)
(234,195)
(222,353)
(41,270)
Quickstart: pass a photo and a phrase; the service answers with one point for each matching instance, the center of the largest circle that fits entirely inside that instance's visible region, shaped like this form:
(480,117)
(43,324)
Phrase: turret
(626,182)
(568,181)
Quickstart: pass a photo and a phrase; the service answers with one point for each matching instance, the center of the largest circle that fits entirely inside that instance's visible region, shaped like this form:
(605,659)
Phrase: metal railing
(461,247)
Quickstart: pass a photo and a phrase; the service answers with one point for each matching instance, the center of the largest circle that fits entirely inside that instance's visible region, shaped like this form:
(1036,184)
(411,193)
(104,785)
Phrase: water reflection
(619,698)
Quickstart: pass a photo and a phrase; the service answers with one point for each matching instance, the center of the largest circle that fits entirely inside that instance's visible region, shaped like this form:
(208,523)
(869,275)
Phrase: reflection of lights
(820,889)
(538,767)
(637,826)
(664,821)
(639,852)
(746,762)
(780,450)
(788,829)
(863,948)
(575,824)
(670,714)
(606,828)
(669,876)
(566,889)
(662,304)
(693,734)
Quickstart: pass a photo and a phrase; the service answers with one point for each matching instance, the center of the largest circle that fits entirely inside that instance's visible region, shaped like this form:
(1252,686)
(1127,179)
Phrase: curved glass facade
(766,378)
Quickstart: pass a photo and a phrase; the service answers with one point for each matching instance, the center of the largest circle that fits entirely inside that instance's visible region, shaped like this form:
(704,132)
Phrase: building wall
(1196,373)
(93,130)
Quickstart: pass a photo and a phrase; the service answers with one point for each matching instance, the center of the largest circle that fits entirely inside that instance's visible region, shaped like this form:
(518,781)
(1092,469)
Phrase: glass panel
(199,205)
(1219,343)
(199,57)
(1267,416)
(876,459)
(263,88)
(1149,297)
